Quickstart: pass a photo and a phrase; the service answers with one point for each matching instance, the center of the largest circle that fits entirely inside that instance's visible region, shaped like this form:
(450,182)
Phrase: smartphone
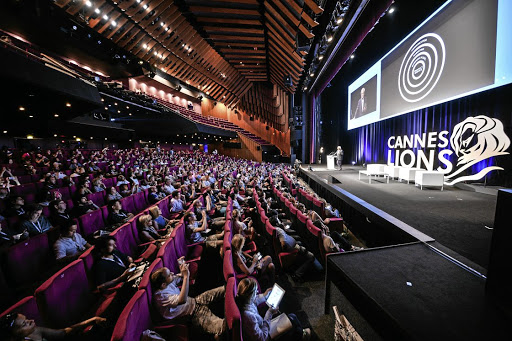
(181,261)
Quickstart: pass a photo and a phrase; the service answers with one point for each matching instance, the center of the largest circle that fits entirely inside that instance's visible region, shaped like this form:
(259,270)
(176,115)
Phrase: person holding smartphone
(257,265)
(172,302)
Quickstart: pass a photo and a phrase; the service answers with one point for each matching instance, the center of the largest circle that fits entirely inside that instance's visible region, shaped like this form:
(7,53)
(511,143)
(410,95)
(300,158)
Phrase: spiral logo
(421,67)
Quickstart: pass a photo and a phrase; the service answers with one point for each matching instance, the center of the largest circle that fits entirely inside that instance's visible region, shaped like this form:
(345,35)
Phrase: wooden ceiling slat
(277,20)
(313,6)
(127,29)
(223,10)
(236,57)
(248,51)
(306,32)
(215,20)
(236,38)
(292,17)
(251,45)
(231,30)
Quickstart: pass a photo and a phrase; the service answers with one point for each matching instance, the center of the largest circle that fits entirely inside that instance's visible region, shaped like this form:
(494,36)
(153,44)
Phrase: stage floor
(458,219)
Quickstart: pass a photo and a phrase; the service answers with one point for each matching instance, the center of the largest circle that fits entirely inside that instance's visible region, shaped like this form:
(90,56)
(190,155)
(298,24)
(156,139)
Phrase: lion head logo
(476,139)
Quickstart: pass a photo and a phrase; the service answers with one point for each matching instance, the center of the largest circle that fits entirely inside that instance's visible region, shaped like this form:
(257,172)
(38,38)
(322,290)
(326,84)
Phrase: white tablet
(275,297)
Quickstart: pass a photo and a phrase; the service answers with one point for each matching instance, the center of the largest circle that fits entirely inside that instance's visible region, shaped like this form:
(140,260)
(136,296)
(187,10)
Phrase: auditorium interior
(255,170)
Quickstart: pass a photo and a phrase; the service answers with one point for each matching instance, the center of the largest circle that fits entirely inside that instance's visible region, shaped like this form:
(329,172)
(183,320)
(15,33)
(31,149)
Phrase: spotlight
(329,39)
(391,10)
(353,163)
(88,4)
(105,17)
(320,57)
(352,56)
(30,137)
(97,11)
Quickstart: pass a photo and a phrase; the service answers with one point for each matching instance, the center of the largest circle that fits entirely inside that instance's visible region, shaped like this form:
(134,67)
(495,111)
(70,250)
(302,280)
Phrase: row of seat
(26,261)
(69,295)
(139,314)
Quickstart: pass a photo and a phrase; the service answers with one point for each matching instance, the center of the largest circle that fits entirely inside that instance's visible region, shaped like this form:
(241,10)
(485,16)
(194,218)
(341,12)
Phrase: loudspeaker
(500,266)
(251,118)
(267,127)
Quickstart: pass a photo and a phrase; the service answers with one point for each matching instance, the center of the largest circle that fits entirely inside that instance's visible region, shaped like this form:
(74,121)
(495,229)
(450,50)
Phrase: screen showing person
(363,99)
(275,297)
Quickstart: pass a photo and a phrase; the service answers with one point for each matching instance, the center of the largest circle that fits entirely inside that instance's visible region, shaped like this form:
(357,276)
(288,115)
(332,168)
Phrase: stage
(459,220)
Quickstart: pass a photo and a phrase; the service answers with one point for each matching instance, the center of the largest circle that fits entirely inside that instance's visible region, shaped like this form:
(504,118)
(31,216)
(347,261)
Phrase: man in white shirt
(70,244)
(172,302)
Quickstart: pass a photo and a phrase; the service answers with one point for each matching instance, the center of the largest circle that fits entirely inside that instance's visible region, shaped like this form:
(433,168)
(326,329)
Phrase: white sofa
(392,171)
(374,169)
(407,174)
(429,178)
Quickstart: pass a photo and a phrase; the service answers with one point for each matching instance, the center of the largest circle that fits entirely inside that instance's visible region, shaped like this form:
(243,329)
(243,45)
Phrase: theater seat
(65,298)
(28,260)
(233,317)
(26,306)
(125,241)
(128,204)
(91,222)
(135,319)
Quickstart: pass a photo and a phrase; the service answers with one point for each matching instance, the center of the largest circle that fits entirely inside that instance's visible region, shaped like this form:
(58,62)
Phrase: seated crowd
(222,204)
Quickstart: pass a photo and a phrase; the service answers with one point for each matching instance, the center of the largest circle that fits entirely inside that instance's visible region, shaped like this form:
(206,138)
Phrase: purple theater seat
(65,299)
(98,198)
(72,190)
(136,317)
(108,182)
(164,207)
(140,201)
(232,312)
(27,260)
(26,306)
(191,252)
(125,241)
(128,204)
(227,265)
(91,222)
(25,179)
(24,189)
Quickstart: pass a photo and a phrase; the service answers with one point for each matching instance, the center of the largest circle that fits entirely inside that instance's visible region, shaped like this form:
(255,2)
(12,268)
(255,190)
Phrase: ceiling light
(113,23)
(145,6)
(5,131)
(312,74)
(166,29)
(21,109)
(138,1)
(329,39)
(141,62)
(54,135)
(31,116)
(30,137)
(320,57)
(105,17)
(391,10)
(88,4)
(162,24)
(78,139)
(56,115)
(68,105)
(97,11)
(339,21)
(352,56)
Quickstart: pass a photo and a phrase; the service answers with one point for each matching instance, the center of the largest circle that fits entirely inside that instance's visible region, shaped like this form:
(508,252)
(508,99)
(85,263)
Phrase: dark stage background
(368,144)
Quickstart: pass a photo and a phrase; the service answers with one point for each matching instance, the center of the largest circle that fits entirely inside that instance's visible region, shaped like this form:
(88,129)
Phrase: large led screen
(459,50)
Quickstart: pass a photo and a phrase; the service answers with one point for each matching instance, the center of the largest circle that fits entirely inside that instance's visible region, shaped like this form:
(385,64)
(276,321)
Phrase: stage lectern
(330,162)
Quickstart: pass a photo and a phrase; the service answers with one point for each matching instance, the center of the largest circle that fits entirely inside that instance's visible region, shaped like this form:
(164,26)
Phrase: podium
(330,162)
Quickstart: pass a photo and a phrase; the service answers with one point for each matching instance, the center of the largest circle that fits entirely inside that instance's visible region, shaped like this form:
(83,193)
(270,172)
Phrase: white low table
(392,171)
(374,169)
(429,178)
(407,174)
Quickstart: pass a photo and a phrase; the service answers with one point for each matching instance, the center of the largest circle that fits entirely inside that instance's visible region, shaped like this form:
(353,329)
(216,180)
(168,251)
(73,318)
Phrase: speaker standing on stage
(339,157)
